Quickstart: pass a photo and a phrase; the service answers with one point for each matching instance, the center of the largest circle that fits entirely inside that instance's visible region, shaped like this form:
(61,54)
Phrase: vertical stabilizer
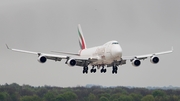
(82,42)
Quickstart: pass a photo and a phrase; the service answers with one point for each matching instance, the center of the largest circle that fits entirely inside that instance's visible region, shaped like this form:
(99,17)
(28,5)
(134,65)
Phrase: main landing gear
(85,69)
(103,70)
(114,69)
(93,70)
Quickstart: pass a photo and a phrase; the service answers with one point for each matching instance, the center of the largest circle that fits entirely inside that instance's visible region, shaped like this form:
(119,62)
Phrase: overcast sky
(140,26)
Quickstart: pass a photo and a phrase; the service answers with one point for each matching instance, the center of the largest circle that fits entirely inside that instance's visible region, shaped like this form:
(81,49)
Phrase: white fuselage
(105,54)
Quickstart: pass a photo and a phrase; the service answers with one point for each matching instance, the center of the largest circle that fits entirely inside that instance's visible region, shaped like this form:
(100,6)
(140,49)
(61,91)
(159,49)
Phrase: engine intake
(42,59)
(71,62)
(136,62)
(154,59)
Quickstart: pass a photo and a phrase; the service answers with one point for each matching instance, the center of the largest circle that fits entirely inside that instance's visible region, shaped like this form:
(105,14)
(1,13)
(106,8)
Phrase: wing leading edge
(147,55)
(153,57)
(48,56)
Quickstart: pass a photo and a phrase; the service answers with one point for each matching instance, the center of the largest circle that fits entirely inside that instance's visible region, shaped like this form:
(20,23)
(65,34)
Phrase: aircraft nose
(116,51)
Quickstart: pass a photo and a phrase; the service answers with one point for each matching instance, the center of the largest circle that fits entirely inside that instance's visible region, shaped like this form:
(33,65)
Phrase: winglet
(172,48)
(7,46)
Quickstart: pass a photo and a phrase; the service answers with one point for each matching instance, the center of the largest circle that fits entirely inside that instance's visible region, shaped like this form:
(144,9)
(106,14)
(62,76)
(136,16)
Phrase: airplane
(108,54)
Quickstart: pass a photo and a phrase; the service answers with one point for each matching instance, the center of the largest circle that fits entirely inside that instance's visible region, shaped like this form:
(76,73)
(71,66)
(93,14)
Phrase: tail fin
(82,42)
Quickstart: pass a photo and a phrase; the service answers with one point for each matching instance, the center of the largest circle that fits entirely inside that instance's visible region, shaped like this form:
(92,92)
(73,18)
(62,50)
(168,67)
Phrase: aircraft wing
(142,57)
(48,56)
(80,61)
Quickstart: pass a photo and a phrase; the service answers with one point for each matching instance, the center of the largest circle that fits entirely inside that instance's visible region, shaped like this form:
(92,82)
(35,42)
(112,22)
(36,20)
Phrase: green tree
(31,98)
(91,97)
(136,97)
(41,92)
(120,90)
(115,100)
(125,98)
(60,98)
(4,96)
(49,96)
(15,96)
(114,96)
(173,98)
(107,95)
(158,93)
(148,98)
(70,96)
(103,98)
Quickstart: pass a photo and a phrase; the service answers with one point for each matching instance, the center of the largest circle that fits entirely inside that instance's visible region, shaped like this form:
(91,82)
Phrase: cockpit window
(115,43)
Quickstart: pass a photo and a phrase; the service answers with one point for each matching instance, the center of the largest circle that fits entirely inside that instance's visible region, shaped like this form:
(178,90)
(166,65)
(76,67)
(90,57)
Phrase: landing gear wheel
(93,70)
(114,69)
(85,70)
(103,70)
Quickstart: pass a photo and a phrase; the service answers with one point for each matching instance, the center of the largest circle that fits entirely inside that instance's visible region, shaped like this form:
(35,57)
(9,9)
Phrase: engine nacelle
(42,59)
(136,62)
(71,62)
(154,59)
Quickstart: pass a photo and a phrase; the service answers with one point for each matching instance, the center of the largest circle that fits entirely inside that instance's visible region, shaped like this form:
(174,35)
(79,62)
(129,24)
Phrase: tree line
(15,92)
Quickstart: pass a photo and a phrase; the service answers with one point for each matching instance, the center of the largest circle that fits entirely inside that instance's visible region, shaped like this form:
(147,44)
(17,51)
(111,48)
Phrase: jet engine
(136,62)
(42,59)
(71,62)
(154,59)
